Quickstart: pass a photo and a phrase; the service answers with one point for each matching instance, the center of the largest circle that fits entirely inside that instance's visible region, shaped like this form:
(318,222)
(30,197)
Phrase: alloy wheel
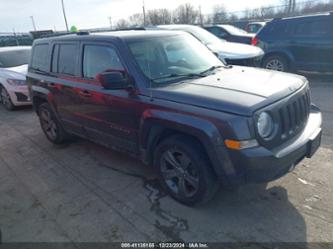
(179,173)
(275,64)
(48,124)
(5,98)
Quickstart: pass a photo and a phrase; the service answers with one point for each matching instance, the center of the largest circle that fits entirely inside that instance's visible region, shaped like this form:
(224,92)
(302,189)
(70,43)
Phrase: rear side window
(40,57)
(313,28)
(217,31)
(64,59)
(278,29)
(321,27)
(98,59)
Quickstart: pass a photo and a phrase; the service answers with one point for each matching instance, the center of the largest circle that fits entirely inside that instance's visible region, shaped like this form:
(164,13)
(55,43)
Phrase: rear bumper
(258,165)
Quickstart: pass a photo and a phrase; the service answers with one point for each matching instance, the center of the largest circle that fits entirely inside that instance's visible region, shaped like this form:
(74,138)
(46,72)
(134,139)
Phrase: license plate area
(314,144)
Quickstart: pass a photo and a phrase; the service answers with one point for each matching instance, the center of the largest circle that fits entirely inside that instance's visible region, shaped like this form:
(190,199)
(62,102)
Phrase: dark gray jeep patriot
(164,98)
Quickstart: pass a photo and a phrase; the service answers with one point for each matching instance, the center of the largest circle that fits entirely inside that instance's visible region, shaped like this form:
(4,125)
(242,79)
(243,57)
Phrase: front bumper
(19,95)
(258,165)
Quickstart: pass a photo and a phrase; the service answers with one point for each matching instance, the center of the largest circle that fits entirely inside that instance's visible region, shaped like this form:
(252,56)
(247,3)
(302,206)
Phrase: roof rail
(82,33)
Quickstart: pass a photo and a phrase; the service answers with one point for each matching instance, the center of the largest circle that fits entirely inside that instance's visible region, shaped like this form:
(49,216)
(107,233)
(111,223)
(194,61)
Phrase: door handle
(85,93)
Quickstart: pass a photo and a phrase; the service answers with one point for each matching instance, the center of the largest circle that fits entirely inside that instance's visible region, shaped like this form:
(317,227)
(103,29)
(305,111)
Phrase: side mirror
(114,80)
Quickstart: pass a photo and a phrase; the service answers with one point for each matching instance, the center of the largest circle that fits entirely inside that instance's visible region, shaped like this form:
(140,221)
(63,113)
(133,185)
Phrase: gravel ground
(83,192)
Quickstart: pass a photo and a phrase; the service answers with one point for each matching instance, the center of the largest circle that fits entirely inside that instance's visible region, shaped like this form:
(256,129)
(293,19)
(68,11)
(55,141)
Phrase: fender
(154,122)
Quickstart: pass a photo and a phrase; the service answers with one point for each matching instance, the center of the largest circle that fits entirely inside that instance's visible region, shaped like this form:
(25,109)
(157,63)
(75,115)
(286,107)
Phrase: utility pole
(33,22)
(17,42)
(63,11)
(110,20)
(144,12)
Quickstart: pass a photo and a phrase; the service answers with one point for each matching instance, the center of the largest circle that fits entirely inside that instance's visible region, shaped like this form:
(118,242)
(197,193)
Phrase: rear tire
(184,170)
(277,63)
(51,126)
(5,99)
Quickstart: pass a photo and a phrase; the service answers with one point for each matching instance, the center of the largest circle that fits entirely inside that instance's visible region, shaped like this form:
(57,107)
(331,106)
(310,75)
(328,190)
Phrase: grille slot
(294,115)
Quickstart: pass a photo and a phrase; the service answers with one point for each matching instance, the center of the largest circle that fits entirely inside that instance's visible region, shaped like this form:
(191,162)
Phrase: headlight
(15,82)
(265,125)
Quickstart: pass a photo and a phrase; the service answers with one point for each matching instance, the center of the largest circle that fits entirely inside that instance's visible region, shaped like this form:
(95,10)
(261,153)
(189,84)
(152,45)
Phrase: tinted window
(217,31)
(321,28)
(40,60)
(67,55)
(318,28)
(277,29)
(14,58)
(99,59)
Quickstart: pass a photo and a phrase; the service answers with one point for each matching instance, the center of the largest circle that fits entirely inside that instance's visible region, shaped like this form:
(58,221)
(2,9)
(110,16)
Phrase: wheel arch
(283,53)
(160,126)
(37,101)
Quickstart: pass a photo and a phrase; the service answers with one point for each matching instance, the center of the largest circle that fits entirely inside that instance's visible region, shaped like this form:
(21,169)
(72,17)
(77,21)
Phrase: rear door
(65,85)
(312,44)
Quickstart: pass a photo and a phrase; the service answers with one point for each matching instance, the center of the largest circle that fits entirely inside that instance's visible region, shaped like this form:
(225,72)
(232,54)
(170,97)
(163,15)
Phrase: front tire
(51,126)
(277,63)
(6,100)
(184,170)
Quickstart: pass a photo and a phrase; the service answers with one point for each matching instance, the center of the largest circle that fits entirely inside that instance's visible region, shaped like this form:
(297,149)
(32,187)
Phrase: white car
(230,52)
(13,69)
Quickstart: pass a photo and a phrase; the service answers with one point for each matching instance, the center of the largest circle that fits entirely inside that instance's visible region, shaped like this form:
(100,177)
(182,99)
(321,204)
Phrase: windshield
(234,30)
(163,59)
(14,58)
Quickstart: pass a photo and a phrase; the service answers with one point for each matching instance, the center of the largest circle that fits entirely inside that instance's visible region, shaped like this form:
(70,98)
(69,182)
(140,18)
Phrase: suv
(164,98)
(298,43)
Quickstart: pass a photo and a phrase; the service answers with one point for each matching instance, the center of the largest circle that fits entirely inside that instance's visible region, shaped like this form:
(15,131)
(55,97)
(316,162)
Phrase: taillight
(254,41)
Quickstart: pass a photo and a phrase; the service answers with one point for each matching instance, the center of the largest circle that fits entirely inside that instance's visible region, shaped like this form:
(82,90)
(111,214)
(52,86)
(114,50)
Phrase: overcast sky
(15,14)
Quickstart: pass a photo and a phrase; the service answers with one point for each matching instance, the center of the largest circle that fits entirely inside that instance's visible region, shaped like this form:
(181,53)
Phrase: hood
(14,72)
(232,50)
(239,90)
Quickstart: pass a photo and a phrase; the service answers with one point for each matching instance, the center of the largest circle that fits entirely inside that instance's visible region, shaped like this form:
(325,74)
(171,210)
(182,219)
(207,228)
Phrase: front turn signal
(239,145)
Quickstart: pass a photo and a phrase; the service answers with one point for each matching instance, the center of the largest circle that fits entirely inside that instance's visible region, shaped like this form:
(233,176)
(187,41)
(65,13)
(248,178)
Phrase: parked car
(298,43)
(165,99)
(230,33)
(254,27)
(230,52)
(13,69)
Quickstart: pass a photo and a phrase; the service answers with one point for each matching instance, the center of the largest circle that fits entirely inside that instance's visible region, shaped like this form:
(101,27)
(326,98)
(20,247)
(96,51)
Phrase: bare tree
(186,14)
(159,16)
(136,20)
(122,24)
(290,6)
(220,14)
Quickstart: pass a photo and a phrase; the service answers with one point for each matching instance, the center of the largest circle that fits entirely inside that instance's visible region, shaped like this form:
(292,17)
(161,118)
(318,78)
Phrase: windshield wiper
(174,75)
(211,69)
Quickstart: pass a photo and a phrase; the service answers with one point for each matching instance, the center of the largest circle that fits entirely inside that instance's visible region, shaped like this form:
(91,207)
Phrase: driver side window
(98,59)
